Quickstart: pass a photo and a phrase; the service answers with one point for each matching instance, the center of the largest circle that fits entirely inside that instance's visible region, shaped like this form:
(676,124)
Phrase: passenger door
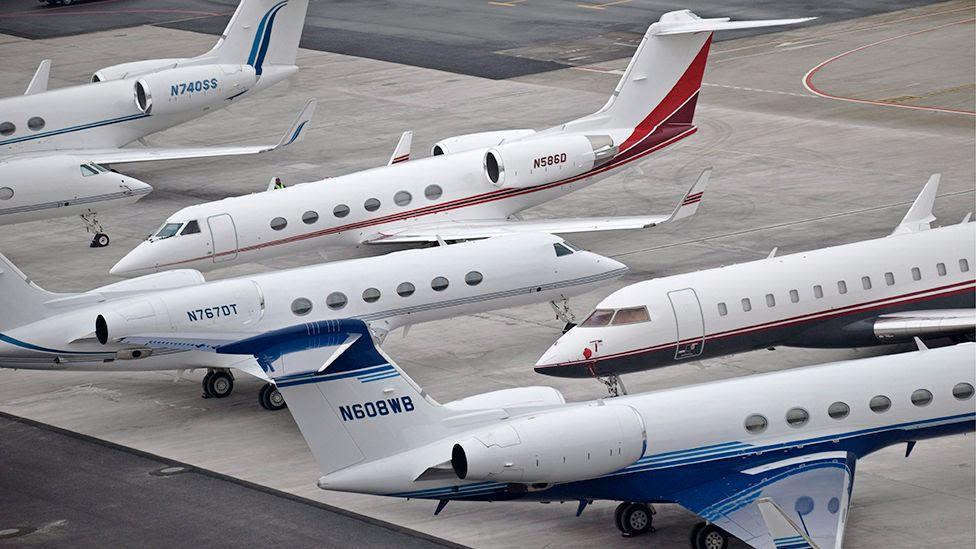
(223,234)
(689,323)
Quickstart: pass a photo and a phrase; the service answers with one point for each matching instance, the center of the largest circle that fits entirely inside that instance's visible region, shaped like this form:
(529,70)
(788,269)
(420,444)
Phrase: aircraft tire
(637,519)
(218,384)
(271,399)
(617,514)
(100,240)
(709,536)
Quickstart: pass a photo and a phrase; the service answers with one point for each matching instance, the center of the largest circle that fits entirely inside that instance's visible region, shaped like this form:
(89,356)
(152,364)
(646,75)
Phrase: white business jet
(153,322)
(54,143)
(916,282)
(474,185)
(771,462)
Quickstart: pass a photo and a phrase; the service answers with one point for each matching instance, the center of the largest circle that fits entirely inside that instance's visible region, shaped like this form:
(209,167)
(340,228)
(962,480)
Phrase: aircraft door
(689,322)
(223,233)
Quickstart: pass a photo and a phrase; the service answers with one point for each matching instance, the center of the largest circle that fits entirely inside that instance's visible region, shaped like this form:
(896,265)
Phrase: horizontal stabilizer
(686,22)
(475,229)
(38,84)
(150,154)
(919,216)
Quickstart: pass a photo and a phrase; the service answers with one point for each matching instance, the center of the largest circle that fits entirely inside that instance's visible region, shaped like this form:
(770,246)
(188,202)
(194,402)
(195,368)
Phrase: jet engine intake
(558,446)
(540,161)
(472,141)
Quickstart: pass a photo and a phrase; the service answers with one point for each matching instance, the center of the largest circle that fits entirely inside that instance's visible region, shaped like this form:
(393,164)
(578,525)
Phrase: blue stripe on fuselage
(77,128)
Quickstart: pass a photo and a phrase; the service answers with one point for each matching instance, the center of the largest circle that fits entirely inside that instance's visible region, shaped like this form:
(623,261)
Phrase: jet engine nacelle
(508,398)
(560,446)
(192,88)
(546,160)
(135,68)
(231,307)
(472,141)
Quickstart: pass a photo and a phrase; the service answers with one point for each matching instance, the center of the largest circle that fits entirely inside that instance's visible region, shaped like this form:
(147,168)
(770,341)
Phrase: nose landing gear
(100,240)
(634,519)
(564,313)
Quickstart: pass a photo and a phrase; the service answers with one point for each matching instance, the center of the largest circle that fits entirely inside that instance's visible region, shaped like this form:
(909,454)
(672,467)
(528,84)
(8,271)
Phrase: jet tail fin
(784,531)
(21,301)
(262,32)
(350,400)
(919,216)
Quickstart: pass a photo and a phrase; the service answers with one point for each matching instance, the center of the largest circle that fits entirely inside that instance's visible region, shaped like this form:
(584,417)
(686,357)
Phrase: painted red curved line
(101,12)
(808,78)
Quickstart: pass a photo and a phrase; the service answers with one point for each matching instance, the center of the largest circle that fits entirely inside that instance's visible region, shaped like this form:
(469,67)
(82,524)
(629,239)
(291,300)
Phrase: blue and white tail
(352,403)
(261,33)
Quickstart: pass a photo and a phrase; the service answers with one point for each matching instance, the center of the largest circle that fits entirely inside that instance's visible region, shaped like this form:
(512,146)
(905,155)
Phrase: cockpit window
(562,249)
(192,227)
(167,230)
(599,317)
(87,170)
(631,315)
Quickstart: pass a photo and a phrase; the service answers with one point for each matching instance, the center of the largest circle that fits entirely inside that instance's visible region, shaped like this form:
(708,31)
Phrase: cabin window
(838,410)
(279,223)
(890,279)
(6,193)
(405,289)
(7,128)
(561,249)
(340,211)
(964,265)
(962,391)
(916,273)
(167,230)
(756,423)
(770,300)
(631,315)
(922,397)
(746,304)
(371,295)
(841,286)
(722,309)
(866,282)
(88,171)
(941,268)
(35,123)
(336,301)
(402,198)
(599,317)
(818,291)
(310,217)
(473,278)
(192,227)
(433,192)
(797,417)
(301,306)
(794,296)
(439,284)
(880,404)
(371,204)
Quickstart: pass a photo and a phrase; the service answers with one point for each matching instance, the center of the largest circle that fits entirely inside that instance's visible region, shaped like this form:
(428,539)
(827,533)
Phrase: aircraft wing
(475,229)
(925,324)
(149,154)
(207,342)
(795,503)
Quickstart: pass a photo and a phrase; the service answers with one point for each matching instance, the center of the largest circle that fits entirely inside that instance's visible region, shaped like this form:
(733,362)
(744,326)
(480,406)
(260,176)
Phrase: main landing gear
(218,383)
(271,399)
(708,536)
(564,313)
(100,240)
(634,519)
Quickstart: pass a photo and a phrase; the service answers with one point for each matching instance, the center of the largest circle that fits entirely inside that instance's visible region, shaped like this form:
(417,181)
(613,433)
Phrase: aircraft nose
(565,355)
(136,262)
(604,265)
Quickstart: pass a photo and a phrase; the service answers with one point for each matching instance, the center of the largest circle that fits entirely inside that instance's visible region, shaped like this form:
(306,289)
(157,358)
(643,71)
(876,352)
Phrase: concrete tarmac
(792,169)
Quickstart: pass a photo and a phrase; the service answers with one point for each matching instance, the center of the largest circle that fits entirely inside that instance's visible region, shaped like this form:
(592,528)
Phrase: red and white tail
(654,102)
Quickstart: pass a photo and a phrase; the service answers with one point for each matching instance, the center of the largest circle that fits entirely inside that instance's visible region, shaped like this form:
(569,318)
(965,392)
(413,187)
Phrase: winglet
(784,531)
(919,216)
(689,204)
(402,151)
(38,84)
(296,131)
